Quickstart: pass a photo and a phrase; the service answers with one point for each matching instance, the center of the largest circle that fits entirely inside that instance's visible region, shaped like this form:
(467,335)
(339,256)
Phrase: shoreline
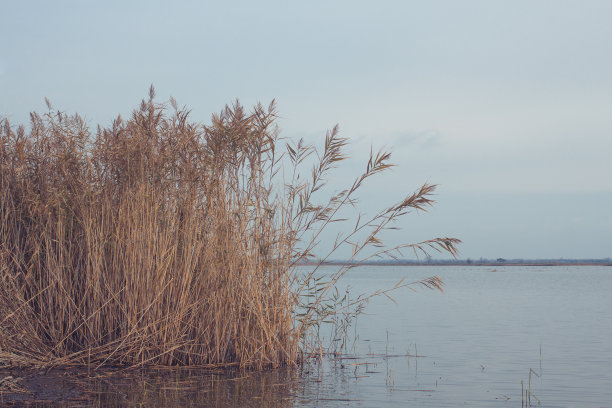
(465,263)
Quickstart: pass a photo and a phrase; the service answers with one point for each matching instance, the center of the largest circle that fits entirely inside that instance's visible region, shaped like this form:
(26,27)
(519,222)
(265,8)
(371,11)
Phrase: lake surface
(484,334)
(475,342)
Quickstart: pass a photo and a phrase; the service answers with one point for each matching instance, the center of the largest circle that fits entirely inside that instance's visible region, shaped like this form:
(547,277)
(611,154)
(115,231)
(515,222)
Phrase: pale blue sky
(506,104)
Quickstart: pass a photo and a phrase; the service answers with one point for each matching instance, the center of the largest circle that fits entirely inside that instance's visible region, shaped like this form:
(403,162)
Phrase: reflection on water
(160,387)
(471,346)
(329,382)
(194,389)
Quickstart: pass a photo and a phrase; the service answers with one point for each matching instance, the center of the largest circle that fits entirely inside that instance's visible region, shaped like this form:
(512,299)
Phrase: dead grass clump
(162,241)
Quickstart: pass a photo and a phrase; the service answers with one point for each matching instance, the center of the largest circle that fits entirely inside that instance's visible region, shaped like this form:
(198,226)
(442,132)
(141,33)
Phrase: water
(484,334)
(476,342)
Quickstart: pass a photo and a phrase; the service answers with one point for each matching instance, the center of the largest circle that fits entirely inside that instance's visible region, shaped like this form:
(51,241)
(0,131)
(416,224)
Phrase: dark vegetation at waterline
(159,240)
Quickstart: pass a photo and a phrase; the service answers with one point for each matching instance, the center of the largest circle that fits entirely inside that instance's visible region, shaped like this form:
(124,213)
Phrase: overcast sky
(507,105)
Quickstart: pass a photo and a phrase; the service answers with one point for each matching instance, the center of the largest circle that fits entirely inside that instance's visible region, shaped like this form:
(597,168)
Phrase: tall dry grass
(158,240)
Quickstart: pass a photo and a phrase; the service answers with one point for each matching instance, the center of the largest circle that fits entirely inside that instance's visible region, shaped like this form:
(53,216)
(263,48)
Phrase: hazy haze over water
(505,105)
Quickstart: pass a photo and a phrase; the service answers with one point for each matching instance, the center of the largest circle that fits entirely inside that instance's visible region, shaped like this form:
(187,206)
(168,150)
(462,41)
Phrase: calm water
(484,334)
(476,342)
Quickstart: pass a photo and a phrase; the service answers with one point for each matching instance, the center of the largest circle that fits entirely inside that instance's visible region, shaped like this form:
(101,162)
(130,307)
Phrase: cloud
(419,140)
(428,139)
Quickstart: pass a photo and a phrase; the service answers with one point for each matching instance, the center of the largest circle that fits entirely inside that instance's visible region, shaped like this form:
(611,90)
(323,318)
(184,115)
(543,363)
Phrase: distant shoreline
(562,262)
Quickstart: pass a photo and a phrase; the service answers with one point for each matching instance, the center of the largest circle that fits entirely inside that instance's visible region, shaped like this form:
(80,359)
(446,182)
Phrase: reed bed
(159,240)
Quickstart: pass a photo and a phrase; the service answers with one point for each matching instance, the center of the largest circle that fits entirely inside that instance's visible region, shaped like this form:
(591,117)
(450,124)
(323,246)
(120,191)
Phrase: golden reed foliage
(162,241)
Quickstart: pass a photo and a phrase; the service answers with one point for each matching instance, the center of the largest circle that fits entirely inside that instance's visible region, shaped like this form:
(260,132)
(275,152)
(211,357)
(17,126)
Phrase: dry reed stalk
(162,241)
